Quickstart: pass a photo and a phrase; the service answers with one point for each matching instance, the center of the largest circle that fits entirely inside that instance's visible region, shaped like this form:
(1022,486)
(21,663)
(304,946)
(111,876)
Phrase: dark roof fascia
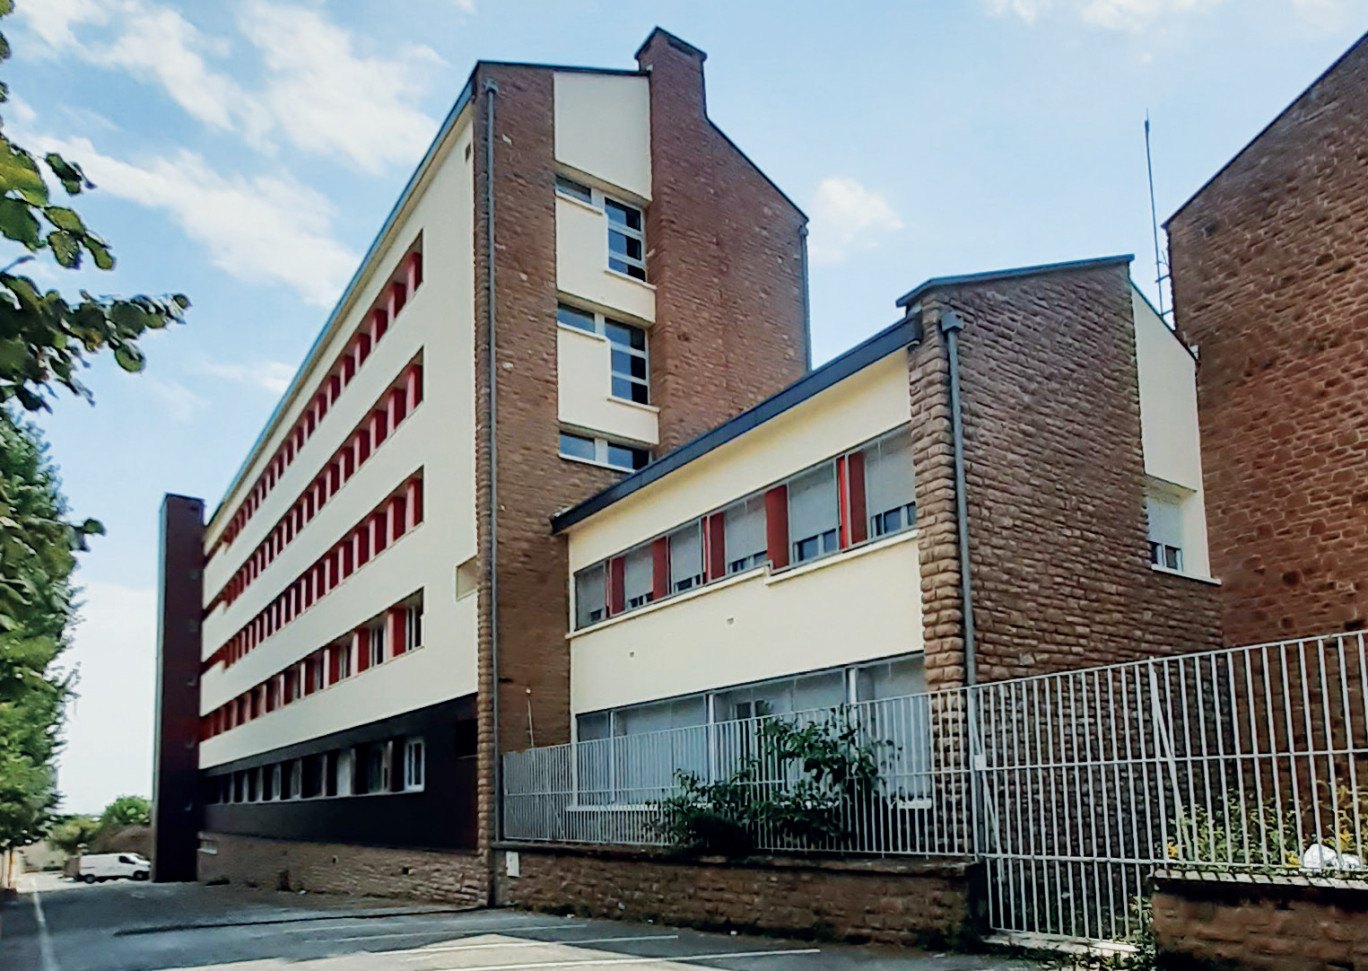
(349,291)
(1266,129)
(992,276)
(901,334)
(568,68)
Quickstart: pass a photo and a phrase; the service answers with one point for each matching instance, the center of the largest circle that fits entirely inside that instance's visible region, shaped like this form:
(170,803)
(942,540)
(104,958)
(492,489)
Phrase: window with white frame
(630,366)
(345,768)
(344,659)
(814,516)
(1165,512)
(686,557)
(638,577)
(318,670)
(626,226)
(414,765)
(743,527)
(591,592)
(413,627)
(296,783)
(377,645)
(890,485)
(627,458)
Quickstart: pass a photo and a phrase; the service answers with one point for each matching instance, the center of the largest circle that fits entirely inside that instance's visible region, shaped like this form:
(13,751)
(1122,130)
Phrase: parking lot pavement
(60,926)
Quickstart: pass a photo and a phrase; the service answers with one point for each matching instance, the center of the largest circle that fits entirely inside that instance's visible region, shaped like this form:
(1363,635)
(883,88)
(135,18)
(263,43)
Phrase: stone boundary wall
(924,902)
(1210,922)
(457,877)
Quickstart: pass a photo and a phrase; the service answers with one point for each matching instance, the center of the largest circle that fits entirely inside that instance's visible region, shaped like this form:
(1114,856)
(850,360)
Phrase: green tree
(45,340)
(70,833)
(127,811)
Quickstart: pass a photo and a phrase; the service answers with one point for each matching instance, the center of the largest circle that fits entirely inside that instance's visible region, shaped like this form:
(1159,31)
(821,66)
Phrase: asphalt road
(60,926)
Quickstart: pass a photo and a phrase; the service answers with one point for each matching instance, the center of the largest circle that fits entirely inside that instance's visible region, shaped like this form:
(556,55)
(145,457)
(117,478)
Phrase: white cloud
(316,92)
(327,98)
(259,229)
(1128,15)
(271,376)
(847,217)
(1328,14)
(1027,10)
(108,749)
(180,403)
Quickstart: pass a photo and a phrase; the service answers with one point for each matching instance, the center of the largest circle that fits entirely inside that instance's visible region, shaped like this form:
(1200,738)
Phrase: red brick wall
(1224,923)
(1270,281)
(725,254)
(894,902)
(1056,485)
(458,877)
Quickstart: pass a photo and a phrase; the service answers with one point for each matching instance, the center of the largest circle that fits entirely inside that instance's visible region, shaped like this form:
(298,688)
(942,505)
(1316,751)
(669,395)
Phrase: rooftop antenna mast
(1160,264)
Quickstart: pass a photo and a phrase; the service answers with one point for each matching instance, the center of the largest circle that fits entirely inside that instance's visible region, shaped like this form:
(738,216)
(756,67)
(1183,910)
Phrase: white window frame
(588,195)
(376,645)
(413,627)
(344,660)
(415,765)
(599,328)
(601,451)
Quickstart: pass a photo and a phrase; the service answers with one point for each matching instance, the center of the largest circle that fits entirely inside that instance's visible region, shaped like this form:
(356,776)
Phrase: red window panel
(413,493)
(714,547)
(321,405)
(334,387)
(379,534)
(363,346)
(776,526)
(413,271)
(361,638)
(291,685)
(254,705)
(379,323)
(335,664)
(398,639)
(363,546)
(398,516)
(309,664)
(855,492)
(617,585)
(310,421)
(363,445)
(348,369)
(348,563)
(842,503)
(379,426)
(398,406)
(660,568)
(398,296)
(334,477)
(413,386)
(349,461)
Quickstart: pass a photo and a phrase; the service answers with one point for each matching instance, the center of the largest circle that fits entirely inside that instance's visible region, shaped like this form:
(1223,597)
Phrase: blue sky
(246,154)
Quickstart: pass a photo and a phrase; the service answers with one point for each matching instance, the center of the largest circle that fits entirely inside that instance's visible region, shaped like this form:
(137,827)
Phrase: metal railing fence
(614,790)
(1080,784)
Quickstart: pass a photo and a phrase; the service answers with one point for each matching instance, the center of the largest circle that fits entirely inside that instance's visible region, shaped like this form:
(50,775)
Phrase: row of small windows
(397,631)
(862,495)
(403,283)
(626,226)
(393,765)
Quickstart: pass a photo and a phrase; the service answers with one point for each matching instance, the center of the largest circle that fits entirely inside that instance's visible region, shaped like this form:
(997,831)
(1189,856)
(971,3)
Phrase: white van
(112,866)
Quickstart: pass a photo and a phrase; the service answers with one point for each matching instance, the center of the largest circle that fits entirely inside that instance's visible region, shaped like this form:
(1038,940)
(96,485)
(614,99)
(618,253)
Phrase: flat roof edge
(1012,273)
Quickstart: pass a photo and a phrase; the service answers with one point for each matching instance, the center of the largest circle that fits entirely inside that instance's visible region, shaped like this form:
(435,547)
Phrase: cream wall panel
(864,405)
(1168,424)
(860,606)
(582,263)
(584,369)
(438,437)
(603,128)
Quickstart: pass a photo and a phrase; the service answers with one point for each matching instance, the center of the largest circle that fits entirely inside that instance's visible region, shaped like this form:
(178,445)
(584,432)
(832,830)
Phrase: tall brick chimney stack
(725,254)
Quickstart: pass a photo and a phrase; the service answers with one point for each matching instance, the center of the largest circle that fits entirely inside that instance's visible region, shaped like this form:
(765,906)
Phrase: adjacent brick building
(381,576)
(1270,284)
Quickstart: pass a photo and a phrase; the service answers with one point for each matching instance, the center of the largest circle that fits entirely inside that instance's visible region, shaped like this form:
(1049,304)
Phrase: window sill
(601,338)
(1186,576)
(843,556)
(670,601)
(630,279)
(589,206)
(652,409)
(598,465)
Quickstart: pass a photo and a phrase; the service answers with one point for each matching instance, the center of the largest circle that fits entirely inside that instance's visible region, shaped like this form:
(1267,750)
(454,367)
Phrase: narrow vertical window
(590,596)
(626,239)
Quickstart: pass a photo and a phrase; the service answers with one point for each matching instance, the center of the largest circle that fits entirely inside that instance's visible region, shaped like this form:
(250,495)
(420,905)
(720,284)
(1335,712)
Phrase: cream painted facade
(582,265)
(1168,427)
(858,605)
(584,384)
(603,128)
(438,438)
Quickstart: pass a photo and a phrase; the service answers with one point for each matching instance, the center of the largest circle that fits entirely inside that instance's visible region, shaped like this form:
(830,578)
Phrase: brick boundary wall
(926,902)
(1208,923)
(457,877)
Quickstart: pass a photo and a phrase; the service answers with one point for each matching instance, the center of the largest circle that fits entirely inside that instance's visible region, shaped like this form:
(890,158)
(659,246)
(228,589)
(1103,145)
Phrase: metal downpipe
(491,89)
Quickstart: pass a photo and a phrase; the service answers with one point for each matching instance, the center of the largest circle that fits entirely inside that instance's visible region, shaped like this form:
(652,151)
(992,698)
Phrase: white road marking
(44,938)
(443,948)
(605,962)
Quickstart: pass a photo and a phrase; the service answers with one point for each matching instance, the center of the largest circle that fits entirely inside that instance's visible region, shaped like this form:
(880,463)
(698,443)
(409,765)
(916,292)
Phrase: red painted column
(776,526)
(660,568)
(859,515)
(361,638)
(413,386)
(397,620)
(413,497)
(398,517)
(413,272)
(715,547)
